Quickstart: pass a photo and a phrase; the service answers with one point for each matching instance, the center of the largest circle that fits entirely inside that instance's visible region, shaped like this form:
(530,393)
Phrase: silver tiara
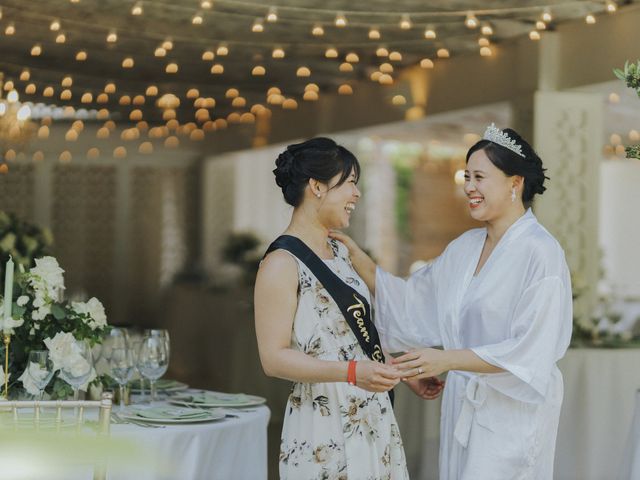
(495,135)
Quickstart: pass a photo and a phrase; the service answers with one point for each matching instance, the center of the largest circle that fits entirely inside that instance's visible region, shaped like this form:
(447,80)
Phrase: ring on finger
(420,371)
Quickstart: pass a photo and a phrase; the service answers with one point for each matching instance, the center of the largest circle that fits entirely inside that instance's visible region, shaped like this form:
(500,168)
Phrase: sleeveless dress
(335,431)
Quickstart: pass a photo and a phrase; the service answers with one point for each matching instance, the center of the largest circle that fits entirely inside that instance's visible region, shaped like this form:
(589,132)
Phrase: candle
(8,291)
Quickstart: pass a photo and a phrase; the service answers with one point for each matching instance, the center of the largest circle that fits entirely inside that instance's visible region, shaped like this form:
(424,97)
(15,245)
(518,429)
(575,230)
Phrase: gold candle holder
(7,341)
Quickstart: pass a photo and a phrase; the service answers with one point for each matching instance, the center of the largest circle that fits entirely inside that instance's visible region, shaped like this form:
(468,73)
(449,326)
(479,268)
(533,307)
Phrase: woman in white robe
(498,300)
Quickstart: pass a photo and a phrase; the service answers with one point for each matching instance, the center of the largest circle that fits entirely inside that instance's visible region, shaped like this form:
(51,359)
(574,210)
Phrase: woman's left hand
(422,363)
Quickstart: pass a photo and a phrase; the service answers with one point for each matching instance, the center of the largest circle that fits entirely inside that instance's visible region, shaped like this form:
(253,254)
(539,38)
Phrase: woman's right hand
(376,376)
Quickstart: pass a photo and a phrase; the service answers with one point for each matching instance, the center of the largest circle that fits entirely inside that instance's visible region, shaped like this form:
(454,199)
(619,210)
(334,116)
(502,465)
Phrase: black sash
(354,307)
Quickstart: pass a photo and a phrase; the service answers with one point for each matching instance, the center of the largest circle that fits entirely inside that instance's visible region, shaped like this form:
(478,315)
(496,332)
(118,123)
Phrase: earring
(513,194)
(318,194)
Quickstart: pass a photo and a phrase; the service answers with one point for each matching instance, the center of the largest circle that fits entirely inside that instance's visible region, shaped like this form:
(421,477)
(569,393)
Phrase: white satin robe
(515,314)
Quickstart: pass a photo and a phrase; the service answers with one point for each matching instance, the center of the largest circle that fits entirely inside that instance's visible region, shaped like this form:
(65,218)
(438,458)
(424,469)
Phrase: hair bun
(284,168)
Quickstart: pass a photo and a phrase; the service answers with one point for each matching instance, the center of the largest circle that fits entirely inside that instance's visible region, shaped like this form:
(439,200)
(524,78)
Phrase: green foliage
(241,249)
(22,240)
(630,75)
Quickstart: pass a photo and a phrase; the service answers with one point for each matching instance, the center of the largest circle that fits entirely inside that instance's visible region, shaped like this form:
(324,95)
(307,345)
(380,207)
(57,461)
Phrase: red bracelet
(351,372)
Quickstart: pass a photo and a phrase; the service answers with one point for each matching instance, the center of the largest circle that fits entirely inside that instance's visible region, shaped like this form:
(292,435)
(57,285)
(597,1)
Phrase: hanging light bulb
(426,63)
(483,42)
(10,30)
(374,34)
(486,52)
(258,71)
(341,20)
(258,26)
(167,44)
(534,35)
(36,50)
(471,21)
(317,31)
(382,52)
(277,53)
(61,38)
(208,55)
(110,88)
(112,37)
(197,19)
(590,19)
(345,67)
(25,75)
(331,53)
(352,58)
(137,9)
(443,53)
(303,72)
(217,69)
(405,22)
(222,50)
(152,91)
(612,6)
(128,62)
(55,26)
(430,33)
(67,82)
(546,16)
(487,30)
(30,89)
(206,4)
(395,56)
(540,25)
(171,68)
(81,56)
(272,15)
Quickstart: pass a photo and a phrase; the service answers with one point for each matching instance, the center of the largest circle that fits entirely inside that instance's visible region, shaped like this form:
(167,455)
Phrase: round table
(231,448)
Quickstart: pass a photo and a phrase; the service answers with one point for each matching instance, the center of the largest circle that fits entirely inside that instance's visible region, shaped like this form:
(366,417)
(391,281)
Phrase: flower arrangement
(42,320)
(631,76)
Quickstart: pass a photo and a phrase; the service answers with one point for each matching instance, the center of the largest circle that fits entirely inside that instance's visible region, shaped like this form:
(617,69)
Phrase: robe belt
(474,398)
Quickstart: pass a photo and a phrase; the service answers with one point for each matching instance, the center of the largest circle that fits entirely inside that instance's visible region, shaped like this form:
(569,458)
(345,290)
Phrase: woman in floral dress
(332,429)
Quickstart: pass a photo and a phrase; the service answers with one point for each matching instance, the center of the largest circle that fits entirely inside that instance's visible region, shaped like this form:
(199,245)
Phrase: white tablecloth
(595,421)
(229,449)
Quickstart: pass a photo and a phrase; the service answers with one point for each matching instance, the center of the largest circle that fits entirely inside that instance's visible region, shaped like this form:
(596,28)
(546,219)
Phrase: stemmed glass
(77,372)
(121,360)
(153,359)
(40,369)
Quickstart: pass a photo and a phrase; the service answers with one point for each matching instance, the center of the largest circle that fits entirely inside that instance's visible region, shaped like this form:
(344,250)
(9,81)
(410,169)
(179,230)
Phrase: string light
(217,69)
(125,100)
(272,15)
(258,71)
(590,19)
(534,35)
(443,53)
(395,56)
(55,26)
(398,100)
(112,37)
(110,88)
(345,67)
(290,104)
(208,55)
(197,19)
(426,63)
(374,34)
(471,21)
(258,26)
(352,58)
(405,22)
(486,52)
(167,44)
(128,63)
(61,38)
(486,30)
(345,89)
(546,16)
(277,53)
(386,68)
(430,34)
(382,52)
(152,91)
(612,7)
(341,20)
(206,4)
(385,79)
(171,68)
(540,25)
(67,82)
(137,9)
(10,29)
(310,96)
(317,31)
(81,56)
(222,50)
(160,52)
(25,75)
(331,53)
(303,72)
(232,93)
(36,50)
(30,89)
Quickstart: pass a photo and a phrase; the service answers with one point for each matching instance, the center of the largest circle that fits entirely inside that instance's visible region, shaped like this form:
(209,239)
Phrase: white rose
(48,274)
(76,365)
(94,309)
(61,347)
(41,312)
(32,372)
(22,300)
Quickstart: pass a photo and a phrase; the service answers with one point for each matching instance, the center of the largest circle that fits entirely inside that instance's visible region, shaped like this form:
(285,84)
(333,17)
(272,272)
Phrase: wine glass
(40,369)
(122,366)
(153,359)
(78,367)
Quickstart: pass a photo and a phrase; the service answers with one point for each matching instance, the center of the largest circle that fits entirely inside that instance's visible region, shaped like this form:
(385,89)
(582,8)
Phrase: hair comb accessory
(497,136)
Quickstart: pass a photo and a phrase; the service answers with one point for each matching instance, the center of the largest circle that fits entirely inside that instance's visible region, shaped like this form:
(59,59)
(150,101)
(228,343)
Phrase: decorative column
(568,133)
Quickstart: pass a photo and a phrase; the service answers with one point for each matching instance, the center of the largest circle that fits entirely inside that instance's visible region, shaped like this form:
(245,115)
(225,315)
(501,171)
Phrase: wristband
(351,372)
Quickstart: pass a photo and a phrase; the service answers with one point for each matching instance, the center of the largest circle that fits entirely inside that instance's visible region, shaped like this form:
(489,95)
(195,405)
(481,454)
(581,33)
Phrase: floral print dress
(335,431)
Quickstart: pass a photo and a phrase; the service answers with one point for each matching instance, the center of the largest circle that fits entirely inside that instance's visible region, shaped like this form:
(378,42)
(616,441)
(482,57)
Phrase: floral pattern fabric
(335,431)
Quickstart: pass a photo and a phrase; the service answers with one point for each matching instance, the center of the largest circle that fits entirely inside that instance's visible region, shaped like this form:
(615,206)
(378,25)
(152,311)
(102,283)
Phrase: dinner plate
(216,399)
(149,417)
